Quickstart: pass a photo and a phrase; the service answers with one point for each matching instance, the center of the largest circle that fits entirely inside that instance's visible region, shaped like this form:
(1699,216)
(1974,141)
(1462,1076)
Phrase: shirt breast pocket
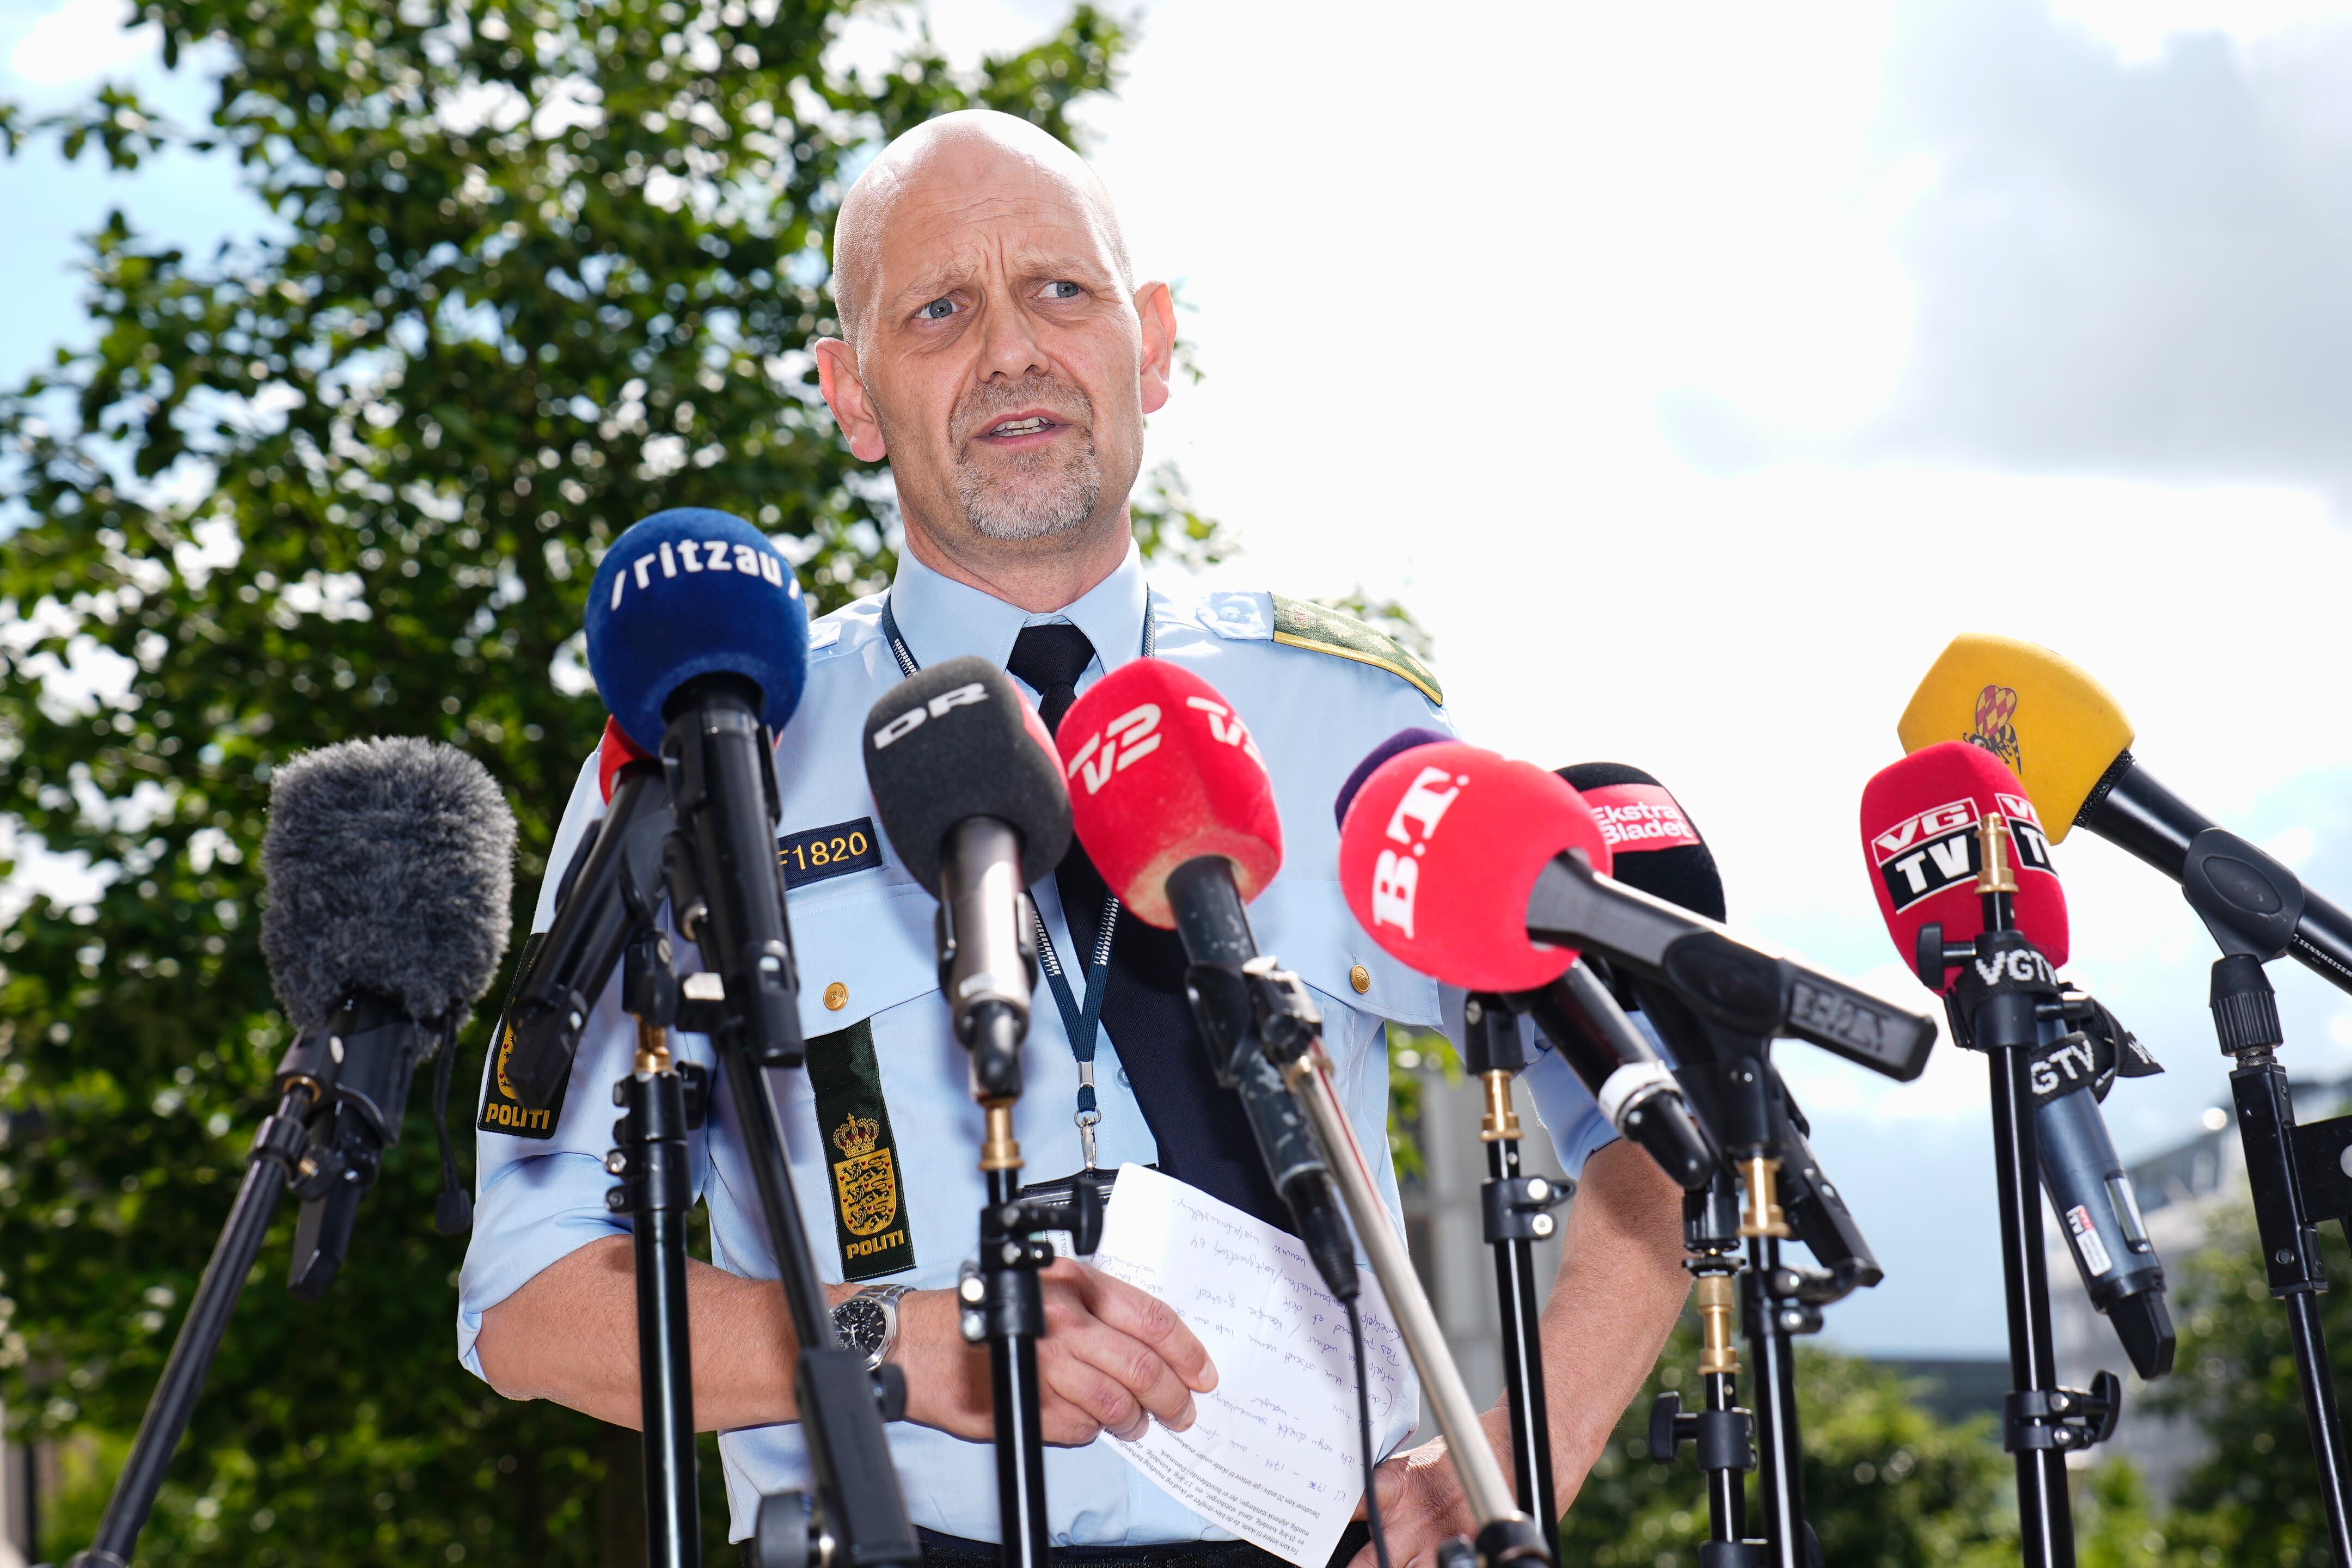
(863,943)
(1306,925)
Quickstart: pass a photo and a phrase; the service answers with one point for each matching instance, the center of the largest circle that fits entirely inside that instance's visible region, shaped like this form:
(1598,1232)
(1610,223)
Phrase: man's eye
(1062,291)
(939,309)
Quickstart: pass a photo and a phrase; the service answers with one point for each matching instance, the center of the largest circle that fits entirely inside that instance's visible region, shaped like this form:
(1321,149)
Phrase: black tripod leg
(1523,1376)
(2045,1516)
(1016,1318)
(1781,1452)
(1726,1488)
(657,1192)
(2292,1264)
(175,1399)
(2319,1412)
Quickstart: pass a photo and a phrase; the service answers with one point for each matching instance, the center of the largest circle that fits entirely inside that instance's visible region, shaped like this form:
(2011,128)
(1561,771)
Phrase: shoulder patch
(1302,624)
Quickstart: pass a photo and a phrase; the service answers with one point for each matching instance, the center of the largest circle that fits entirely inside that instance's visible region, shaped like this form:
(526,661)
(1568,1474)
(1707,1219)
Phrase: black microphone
(615,884)
(1224,981)
(2089,1189)
(968,788)
(390,868)
(1631,1083)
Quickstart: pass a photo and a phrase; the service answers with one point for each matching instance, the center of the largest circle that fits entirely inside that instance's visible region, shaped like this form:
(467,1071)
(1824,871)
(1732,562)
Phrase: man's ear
(1157,307)
(845,393)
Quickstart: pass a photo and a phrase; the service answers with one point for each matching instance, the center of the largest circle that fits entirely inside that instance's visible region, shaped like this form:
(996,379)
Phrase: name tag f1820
(815,853)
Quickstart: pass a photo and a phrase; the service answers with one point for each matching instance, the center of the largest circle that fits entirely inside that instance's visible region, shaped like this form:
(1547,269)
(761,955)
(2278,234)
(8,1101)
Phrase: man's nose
(1009,343)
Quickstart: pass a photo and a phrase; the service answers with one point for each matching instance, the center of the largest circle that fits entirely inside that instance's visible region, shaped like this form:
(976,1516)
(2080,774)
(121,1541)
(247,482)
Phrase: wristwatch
(869,1321)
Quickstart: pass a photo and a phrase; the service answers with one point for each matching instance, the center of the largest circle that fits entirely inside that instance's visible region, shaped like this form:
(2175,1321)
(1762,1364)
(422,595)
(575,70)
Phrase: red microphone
(1438,854)
(615,751)
(1162,772)
(1919,838)
(1920,821)
(1171,799)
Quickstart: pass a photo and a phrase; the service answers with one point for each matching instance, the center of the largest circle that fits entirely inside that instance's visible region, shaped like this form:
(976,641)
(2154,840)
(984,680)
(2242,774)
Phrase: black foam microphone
(969,791)
(389,868)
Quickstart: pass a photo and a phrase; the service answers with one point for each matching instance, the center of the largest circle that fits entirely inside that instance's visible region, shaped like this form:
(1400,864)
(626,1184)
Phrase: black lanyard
(1081,1021)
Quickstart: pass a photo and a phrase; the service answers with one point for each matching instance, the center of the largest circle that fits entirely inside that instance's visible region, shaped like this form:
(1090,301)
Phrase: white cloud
(2126,266)
(81,39)
(2140,29)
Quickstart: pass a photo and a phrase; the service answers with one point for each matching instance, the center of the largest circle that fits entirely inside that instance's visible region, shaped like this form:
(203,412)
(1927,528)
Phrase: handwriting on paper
(1274,1457)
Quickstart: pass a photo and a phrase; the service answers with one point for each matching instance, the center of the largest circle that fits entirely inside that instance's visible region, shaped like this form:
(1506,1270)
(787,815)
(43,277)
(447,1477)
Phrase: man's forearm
(570,1335)
(1621,1287)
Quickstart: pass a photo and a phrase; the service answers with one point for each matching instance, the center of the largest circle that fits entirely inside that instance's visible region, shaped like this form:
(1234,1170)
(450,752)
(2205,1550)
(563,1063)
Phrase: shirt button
(837,996)
(1360,978)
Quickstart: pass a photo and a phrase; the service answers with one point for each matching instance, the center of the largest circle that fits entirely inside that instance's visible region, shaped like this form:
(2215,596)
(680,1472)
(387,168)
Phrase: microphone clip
(1254,1002)
(2066,1420)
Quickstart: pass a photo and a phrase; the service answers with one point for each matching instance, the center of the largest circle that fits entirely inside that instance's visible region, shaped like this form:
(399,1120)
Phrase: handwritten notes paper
(1274,1457)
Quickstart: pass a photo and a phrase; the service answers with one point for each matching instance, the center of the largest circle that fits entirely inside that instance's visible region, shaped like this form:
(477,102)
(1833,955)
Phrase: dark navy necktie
(1203,1139)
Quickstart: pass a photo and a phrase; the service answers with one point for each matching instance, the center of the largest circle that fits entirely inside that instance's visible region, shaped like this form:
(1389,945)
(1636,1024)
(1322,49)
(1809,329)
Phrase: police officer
(995,350)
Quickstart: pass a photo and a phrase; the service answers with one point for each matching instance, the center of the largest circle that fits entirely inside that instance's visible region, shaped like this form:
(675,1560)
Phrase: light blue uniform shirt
(1313,716)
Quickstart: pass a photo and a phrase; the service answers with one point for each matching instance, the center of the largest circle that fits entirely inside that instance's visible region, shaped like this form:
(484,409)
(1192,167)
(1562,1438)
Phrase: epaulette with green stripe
(1302,623)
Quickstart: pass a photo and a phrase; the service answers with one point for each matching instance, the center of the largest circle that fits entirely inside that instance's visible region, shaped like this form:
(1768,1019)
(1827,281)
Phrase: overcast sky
(1694,374)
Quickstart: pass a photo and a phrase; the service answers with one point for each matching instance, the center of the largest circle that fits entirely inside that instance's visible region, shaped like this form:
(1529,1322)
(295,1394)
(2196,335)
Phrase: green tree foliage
(538,268)
(1887,1485)
(2256,1500)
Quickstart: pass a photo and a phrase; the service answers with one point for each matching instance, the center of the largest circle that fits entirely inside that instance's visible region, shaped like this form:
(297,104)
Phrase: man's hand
(1113,1359)
(1422,1502)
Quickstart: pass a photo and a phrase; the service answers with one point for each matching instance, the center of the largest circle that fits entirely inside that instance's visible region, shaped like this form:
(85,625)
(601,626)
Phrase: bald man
(996,352)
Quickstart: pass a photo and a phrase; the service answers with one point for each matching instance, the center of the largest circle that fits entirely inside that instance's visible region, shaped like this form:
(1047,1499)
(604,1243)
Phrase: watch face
(860,1324)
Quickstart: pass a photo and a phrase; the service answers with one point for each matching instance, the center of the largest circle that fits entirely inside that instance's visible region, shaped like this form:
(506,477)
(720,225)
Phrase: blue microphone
(690,593)
(698,637)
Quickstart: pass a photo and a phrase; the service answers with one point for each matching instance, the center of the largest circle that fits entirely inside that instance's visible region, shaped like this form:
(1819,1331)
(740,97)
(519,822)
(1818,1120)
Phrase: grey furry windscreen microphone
(959,741)
(390,865)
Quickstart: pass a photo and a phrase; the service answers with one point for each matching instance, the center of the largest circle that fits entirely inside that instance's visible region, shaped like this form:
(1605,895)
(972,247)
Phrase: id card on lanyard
(1081,1020)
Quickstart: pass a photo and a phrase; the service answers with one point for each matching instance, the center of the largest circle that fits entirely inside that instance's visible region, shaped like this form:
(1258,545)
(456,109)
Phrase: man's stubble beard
(1045,494)
(1032,495)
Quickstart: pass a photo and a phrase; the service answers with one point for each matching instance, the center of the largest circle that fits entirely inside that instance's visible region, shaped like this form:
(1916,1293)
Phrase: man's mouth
(1019,426)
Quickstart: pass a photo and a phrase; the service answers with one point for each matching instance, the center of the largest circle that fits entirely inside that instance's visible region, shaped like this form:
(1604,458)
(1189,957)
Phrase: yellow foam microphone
(2058,729)
(2065,737)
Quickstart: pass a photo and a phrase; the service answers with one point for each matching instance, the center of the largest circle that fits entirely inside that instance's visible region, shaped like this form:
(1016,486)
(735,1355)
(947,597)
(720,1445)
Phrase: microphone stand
(1000,1299)
(341,1091)
(1731,1085)
(1516,1213)
(1291,1033)
(727,895)
(1742,1118)
(1723,1432)
(2296,1173)
(660,1100)
(2004,1016)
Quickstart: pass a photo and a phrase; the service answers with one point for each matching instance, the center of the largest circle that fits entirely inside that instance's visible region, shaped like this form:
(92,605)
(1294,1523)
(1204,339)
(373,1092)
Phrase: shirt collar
(942,618)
